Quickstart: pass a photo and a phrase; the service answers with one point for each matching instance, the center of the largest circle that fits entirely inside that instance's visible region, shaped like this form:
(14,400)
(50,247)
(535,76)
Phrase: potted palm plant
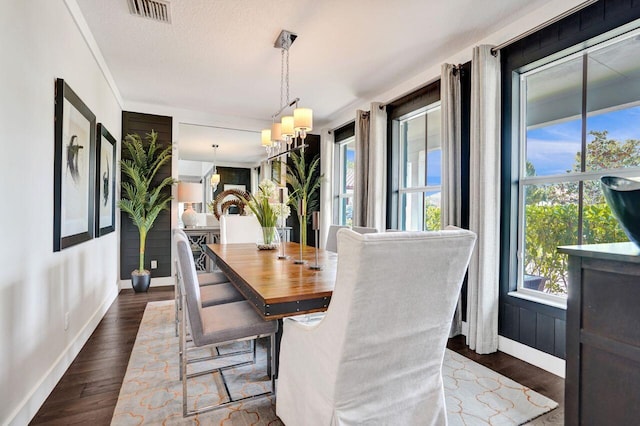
(143,197)
(305,182)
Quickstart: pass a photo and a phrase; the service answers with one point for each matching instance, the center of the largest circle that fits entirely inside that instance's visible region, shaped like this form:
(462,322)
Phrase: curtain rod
(543,25)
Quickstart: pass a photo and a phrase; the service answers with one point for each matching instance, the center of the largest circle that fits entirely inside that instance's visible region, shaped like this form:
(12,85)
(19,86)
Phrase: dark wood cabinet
(602,384)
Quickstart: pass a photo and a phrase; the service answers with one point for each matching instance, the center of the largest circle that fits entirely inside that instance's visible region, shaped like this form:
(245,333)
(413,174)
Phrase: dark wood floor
(88,391)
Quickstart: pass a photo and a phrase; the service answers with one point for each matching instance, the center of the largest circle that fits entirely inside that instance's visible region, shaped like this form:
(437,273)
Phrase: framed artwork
(277,172)
(105,182)
(73,169)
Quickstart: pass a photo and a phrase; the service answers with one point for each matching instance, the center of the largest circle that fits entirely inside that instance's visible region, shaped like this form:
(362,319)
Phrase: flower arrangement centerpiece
(267,212)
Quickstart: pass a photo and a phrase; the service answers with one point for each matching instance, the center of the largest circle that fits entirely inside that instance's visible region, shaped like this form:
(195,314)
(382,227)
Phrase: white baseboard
(28,408)
(155,282)
(528,354)
(533,356)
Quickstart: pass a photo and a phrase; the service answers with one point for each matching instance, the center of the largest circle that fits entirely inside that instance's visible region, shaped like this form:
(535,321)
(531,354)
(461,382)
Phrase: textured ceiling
(217,56)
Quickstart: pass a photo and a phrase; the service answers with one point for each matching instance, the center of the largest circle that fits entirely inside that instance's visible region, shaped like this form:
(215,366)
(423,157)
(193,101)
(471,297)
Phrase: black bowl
(623,198)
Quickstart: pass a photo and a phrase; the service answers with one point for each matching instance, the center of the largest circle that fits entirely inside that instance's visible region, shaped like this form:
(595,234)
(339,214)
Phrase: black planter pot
(140,281)
(623,198)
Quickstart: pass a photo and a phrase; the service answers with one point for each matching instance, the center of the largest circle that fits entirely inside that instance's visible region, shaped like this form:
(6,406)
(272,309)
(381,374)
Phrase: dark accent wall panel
(535,324)
(309,153)
(233,176)
(158,245)
(528,329)
(545,339)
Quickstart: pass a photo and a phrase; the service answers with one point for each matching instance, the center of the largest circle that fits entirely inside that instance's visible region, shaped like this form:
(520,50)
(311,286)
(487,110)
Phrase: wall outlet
(66,320)
(154,264)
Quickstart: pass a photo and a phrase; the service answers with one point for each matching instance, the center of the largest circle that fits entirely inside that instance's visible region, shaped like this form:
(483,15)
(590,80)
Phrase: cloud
(552,157)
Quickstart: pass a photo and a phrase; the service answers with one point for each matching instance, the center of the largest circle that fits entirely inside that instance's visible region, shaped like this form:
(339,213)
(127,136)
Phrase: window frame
(519,155)
(402,189)
(341,166)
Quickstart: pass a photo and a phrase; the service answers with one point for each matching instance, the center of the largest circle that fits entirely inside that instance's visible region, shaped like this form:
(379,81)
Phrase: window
(578,121)
(420,169)
(347,161)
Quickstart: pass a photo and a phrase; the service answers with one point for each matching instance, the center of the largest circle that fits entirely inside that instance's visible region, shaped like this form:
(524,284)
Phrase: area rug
(151,393)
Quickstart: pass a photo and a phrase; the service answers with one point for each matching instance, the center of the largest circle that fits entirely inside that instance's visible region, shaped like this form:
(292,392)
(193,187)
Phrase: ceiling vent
(158,10)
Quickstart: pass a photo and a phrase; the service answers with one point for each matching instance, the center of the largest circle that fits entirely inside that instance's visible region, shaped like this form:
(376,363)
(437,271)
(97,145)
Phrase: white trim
(155,282)
(30,405)
(540,297)
(83,27)
(533,356)
(550,363)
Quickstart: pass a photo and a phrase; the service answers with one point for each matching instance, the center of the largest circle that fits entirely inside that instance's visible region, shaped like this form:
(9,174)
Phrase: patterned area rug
(151,393)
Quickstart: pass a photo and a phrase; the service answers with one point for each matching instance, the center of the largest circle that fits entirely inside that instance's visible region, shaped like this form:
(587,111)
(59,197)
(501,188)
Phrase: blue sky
(552,149)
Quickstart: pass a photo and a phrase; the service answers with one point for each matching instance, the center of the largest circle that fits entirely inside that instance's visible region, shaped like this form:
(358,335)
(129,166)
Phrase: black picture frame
(276,171)
(73,169)
(105,207)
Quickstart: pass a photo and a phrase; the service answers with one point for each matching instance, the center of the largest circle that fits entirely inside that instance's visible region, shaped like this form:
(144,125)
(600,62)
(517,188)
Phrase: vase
(623,198)
(140,281)
(270,238)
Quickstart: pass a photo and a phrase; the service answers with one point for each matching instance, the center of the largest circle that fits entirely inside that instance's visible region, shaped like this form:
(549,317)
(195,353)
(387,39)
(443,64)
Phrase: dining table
(275,287)
(279,287)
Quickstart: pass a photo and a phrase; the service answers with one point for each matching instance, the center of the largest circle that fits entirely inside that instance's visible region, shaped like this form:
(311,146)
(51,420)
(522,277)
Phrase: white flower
(282,210)
(266,189)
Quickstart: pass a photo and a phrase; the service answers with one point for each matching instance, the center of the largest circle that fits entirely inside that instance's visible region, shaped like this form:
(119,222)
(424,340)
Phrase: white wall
(39,42)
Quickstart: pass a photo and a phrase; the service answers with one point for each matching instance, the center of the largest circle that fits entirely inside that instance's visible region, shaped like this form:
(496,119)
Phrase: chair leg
(270,368)
(183,371)
(176,297)
(270,358)
(182,340)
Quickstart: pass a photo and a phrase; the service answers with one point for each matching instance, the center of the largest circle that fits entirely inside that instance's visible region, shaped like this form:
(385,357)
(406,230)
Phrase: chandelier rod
(290,104)
(280,154)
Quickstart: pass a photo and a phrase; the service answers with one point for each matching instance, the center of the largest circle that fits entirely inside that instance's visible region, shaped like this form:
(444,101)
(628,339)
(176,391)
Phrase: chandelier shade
(266,138)
(303,119)
(276,132)
(288,128)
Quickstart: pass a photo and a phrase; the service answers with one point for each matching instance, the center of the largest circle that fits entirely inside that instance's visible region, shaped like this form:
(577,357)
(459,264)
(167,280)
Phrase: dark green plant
(142,198)
(305,182)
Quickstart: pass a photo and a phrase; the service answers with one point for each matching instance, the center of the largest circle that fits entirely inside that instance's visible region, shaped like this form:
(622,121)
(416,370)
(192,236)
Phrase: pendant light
(215,177)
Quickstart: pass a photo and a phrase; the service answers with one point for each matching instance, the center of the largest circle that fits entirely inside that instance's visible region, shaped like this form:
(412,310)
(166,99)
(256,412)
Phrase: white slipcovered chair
(236,229)
(364,230)
(376,357)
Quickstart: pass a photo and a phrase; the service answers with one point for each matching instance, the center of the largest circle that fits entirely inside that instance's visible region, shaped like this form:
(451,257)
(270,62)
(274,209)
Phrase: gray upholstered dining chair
(376,356)
(205,278)
(214,326)
(332,238)
(216,288)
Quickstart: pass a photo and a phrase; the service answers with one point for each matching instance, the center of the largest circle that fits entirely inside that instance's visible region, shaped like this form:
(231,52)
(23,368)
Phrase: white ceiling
(217,56)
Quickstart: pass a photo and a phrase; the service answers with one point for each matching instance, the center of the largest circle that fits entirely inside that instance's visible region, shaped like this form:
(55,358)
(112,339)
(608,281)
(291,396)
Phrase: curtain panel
(451,128)
(327,145)
(484,203)
(370,195)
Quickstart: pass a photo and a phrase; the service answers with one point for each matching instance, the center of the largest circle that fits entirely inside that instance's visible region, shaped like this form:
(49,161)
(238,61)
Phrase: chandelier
(215,176)
(286,129)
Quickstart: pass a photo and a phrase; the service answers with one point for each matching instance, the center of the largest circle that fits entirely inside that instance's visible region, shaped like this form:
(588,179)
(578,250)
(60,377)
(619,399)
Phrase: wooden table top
(278,288)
